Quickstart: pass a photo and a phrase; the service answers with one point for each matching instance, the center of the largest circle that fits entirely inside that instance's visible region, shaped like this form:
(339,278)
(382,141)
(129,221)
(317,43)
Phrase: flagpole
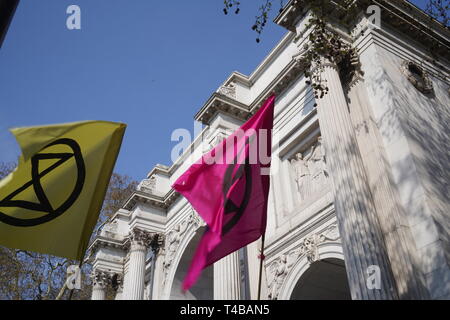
(261,257)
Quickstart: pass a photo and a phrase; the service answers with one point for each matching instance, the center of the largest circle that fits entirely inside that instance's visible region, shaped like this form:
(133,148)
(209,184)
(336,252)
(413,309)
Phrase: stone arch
(327,250)
(193,233)
(187,237)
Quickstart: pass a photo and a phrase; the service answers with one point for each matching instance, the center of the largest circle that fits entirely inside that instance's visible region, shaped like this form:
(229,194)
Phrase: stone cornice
(218,102)
(414,23)
(159,169)
(152,200)
(221,103)
(150,239)
(289,14)
(400,14)
(238,77)
(407,50)
(271,56)
(104,242)
(107,242)
(291,72)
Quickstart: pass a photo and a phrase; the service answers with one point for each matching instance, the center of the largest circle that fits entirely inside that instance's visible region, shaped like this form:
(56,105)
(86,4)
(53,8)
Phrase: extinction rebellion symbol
(43,204)
(244,170)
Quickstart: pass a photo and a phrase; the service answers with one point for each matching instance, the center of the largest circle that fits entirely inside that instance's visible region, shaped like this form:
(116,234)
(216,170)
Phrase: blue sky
(150,64)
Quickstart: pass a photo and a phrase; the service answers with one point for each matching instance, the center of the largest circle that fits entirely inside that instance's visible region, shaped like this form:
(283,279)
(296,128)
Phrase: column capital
(101,278)
(139,239)
(348,68)
(139,236)
(322,63)
(116,281)
(157,242)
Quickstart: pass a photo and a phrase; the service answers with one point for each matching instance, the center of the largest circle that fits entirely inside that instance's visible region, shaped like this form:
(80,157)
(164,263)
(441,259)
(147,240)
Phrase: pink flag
(229,187)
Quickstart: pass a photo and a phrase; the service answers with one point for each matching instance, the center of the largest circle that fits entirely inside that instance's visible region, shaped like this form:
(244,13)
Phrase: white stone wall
(414,130)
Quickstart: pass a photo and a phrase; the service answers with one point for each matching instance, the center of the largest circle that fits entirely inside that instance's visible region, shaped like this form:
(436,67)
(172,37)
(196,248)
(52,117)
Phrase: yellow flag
(51,202)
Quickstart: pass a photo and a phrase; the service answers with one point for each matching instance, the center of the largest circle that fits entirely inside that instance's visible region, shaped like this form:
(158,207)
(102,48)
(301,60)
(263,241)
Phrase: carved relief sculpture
(318,166)
(101,278)
(228,90)
(309,248)
(418,77)
(302,175)
(310,172)
(147,185)
(280,269)
(173,239)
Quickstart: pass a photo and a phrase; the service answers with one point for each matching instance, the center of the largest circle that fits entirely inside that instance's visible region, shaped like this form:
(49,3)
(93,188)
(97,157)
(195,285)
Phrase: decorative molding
(290,14)
(308,247)
(219,102)
(416,24)
(147,185)
(145,239)
(117,281)
(417,76)
(151,199)
(228,90)
(360,28)
(102,241)
(140,237)
(101,278)
(174,238)
(157,242)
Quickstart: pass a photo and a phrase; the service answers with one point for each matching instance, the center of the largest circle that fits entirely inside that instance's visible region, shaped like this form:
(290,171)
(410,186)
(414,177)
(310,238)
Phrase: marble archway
(203,289)
(323,279)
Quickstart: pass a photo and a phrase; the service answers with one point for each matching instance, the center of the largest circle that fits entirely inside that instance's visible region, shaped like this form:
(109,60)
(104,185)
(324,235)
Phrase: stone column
(100,281)
(361,237)
(393,221)
(253,258)
(134,278)
(119,293)
(158,276)
(157,245)
(227,278)
(119,288)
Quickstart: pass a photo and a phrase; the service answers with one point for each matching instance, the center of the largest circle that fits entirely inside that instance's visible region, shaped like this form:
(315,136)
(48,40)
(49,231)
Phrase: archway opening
(203,289)
(324,280)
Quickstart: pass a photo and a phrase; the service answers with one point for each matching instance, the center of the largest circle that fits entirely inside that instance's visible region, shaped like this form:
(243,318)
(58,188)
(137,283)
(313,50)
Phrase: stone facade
(359,183)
